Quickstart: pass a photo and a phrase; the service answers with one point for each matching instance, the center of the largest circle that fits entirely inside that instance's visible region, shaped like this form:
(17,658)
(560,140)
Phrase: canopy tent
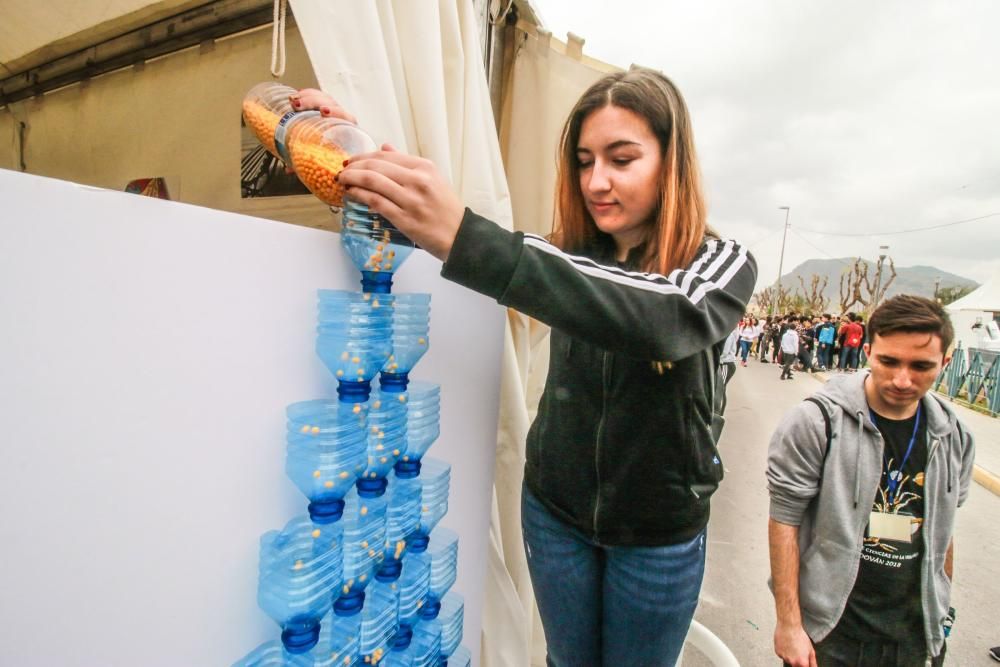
(971,314)
(986,297)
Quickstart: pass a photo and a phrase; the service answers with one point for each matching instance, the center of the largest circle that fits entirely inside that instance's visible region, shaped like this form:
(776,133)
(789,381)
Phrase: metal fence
(972,377)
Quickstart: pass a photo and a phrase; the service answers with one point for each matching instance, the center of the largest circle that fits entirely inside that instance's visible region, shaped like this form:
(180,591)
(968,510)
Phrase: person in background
(778,328)
(727,366)
(789,351)
(826,334)
(806,342)
(748,331)
(864,479)
(853,339)
(640,293)
(862,357)
(763,338)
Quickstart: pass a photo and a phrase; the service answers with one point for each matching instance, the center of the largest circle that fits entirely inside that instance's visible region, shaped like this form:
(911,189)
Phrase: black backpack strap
(826,424)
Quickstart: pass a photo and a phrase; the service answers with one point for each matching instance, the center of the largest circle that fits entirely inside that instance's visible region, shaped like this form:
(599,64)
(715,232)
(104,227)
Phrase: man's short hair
(907,313)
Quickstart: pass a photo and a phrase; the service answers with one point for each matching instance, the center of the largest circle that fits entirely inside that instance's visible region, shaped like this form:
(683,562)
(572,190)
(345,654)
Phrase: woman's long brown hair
(679,222)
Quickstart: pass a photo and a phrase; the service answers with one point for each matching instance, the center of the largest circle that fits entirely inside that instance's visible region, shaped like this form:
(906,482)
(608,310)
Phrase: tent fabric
(986,297)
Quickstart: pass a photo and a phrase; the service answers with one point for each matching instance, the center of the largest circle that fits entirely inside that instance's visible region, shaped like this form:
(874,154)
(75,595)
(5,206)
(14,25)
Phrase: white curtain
(412,72)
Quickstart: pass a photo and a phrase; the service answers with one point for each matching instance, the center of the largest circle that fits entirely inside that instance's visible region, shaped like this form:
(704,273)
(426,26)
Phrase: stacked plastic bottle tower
(363,576)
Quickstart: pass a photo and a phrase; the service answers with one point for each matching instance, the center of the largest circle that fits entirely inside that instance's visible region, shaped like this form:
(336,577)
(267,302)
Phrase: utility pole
(781,260)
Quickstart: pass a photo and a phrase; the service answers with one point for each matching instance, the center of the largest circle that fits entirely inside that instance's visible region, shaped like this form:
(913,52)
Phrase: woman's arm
(644,315)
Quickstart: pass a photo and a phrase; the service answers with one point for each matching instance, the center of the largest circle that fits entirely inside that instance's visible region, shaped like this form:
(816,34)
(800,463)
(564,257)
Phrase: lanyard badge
(888,525)
(894,477)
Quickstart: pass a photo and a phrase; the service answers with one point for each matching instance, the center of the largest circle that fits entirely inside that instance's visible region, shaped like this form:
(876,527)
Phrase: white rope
(278,38)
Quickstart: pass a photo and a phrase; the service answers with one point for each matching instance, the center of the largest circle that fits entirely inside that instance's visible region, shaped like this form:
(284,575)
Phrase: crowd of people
(801,342)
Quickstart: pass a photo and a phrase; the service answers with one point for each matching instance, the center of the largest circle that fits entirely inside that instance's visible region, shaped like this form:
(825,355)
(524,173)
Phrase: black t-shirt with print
(885,603)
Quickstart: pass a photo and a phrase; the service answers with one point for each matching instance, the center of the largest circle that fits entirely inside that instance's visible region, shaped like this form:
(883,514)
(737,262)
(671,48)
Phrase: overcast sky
(862,117)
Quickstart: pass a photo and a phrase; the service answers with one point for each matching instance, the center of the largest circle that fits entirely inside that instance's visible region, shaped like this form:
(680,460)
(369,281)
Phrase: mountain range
(917,280)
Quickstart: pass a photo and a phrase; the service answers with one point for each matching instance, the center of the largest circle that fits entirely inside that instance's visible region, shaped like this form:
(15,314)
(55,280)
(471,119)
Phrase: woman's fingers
(426,209)
(386,180)
(405,170)
(310,99)
(375,202)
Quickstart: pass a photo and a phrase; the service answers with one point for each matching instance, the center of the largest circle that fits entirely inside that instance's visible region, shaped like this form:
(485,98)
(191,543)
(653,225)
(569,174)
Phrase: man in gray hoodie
(864,479)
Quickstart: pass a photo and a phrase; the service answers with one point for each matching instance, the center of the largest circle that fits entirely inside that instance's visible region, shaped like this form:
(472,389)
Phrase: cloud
(862,117)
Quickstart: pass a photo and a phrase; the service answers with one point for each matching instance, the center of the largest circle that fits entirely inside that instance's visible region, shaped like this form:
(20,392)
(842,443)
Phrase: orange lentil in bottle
(313,146)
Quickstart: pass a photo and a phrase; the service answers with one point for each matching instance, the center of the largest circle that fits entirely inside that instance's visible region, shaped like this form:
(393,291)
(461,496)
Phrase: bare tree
(813,299)
(770,300)
(858,288)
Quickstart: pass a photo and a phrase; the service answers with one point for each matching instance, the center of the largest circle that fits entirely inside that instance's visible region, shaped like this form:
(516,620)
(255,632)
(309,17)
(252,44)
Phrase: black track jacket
(620,452)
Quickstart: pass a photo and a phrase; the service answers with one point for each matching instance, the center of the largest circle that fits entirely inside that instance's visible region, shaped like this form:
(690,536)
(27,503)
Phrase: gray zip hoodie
(830,501)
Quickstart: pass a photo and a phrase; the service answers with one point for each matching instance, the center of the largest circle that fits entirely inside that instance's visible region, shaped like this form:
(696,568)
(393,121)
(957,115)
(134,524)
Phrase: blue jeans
(849,357)
(745,349)
(825,350)
(608,605)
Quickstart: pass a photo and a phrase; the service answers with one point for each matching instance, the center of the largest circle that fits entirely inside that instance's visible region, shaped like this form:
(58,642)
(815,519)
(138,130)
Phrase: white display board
(147,352)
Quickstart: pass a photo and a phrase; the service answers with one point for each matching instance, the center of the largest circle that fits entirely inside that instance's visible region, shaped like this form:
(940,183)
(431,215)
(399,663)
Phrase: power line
(762,238)
(817,248)
(901,231)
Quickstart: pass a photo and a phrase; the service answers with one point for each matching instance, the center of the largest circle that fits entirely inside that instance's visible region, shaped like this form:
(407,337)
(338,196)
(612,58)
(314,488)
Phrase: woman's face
(620,165)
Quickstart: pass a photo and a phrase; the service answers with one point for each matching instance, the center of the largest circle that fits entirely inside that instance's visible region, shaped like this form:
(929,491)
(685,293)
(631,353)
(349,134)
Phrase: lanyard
(895,475)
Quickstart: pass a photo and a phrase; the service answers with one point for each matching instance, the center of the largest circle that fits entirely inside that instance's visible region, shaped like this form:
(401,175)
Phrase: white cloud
(862,117)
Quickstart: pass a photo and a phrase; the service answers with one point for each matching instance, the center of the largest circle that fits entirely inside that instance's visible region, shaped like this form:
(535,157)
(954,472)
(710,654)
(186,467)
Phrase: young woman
(640,295)
(748,332)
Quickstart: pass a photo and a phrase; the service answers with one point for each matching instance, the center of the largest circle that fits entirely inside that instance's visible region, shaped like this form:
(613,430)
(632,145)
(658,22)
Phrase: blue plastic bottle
(354,339)
(410,338)
(460,658)
(442,549)
(452,618)
(435,478)
(364,534)
(422,420)
(300,568)
(386,432)
(414,583)
(404,492)
(374,245)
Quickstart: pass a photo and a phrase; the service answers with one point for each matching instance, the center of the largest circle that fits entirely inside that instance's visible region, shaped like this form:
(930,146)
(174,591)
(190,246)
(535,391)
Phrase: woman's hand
(309,99)
(411,193)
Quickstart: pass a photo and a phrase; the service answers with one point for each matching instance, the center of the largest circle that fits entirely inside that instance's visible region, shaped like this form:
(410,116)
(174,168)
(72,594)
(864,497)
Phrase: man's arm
(791,642)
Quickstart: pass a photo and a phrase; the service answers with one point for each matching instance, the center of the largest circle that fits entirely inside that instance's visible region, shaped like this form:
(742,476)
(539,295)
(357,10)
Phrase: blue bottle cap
(326,511)
(393,383)
(300,640)
(349,604)
(403,637)
(389,571)
(430,610)
(376,283)
(353,392)
(417,543)
(407,469)
(372,488)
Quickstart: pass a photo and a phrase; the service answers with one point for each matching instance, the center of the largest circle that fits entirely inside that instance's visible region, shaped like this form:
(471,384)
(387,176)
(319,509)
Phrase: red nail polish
(325,110)
(347,162)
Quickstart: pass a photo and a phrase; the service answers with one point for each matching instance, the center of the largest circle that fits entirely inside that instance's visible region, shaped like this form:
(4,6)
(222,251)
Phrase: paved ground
(735,601)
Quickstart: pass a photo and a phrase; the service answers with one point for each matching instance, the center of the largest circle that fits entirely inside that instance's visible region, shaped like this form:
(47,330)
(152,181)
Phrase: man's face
(904,366)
